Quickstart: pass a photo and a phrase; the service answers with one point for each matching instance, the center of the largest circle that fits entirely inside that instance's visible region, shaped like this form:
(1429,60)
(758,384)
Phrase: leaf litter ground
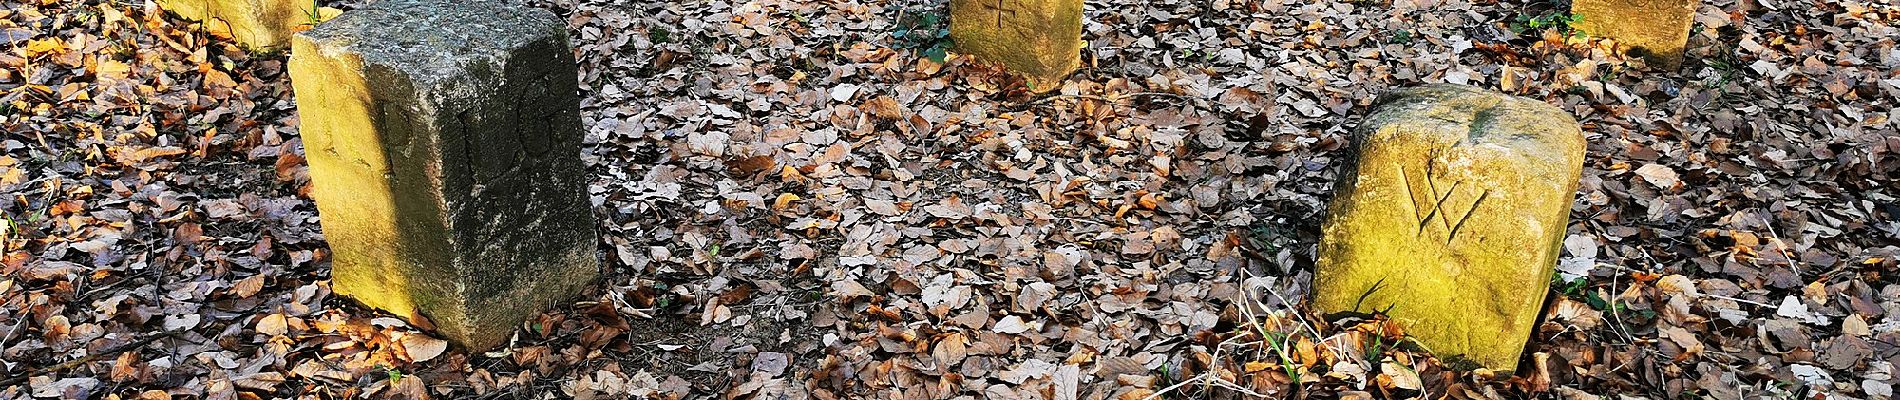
(798,203)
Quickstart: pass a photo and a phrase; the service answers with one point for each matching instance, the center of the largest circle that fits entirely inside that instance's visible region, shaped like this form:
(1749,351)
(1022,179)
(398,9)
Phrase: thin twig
(1783,246)
(1116,97)
(11,331)
(1756,303)
(134,345)
(1157,394)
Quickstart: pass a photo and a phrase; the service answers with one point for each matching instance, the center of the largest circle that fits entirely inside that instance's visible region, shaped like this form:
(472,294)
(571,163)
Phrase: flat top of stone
(428,36)
(1488,117)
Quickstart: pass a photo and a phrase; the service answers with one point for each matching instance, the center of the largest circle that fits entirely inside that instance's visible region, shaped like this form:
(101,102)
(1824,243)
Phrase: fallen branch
(1112,99)
(114,351)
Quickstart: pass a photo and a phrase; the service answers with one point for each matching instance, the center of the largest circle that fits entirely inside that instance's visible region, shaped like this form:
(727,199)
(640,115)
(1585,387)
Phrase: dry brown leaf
(247,287)
(273,324)
(1660,175)
(420,347)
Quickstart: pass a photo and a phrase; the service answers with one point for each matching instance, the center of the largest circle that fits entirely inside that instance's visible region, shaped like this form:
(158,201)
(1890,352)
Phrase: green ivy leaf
(936,54)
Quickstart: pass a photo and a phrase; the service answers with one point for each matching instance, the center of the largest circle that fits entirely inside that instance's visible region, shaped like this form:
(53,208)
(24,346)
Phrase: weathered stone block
(1654,29)
(1040,39)
(259,24)
(1451,217)
(444,141)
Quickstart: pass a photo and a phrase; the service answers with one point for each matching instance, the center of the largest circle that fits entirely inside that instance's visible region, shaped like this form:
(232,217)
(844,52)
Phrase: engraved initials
(1434,207)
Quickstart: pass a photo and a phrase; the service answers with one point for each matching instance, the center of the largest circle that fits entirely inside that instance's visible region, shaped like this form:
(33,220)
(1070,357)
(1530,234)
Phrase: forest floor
(797,201)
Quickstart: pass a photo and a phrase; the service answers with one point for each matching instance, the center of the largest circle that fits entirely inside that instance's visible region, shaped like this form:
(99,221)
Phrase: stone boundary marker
(258,24)
(444,145)
(1655,29)
(1040,39)
(1451,218)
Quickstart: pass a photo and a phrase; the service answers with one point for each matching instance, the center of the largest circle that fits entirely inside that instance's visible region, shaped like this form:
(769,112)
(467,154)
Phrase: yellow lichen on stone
(344,145)
(257,24)
(1655,29)
(1040,39)
(1451,218)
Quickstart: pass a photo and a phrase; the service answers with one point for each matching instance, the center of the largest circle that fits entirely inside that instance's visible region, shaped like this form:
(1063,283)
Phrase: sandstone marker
(444,146)
(1655,29)
(259,24)
(1040,39)
(1452,217)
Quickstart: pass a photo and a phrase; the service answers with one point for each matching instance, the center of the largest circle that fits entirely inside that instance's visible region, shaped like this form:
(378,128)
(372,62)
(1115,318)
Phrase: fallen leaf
(273,324)
(422,347)
(1660,175)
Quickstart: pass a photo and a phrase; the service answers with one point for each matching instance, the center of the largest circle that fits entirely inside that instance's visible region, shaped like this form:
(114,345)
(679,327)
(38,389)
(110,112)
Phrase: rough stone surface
(444,146)
(1655,29)
(1040,39)
(259,24)
(1451,217)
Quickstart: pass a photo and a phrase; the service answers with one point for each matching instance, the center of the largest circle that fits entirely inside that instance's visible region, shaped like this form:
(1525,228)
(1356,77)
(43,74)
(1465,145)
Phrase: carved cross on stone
(1001,12)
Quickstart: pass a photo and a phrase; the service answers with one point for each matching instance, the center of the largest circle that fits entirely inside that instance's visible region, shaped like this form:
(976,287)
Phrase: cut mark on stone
(1433,206)
(396,133)
(468,149)
(1000,12)
(1473,209)
(1411,195)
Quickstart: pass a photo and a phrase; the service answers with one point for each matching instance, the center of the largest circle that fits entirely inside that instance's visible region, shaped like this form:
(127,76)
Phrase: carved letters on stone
(1431,201)
(1455,205)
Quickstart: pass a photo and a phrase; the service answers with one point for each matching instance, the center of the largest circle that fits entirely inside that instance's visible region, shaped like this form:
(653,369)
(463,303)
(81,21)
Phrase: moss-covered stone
(1451,218)
(1040,39)
(1654,29)
(258,24)
(444,142)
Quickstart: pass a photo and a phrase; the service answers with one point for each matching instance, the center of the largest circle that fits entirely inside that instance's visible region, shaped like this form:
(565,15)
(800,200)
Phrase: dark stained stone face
(444,143)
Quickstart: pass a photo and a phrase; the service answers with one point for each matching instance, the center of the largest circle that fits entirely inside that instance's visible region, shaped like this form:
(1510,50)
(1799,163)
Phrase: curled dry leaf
(420,347)
(1660,175)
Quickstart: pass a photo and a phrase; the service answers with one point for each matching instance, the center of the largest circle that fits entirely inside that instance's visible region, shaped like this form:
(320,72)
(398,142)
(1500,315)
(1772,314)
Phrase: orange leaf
(36,47)
(784,200)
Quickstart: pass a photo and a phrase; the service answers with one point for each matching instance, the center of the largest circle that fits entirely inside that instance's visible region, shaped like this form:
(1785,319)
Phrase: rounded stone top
(430,39)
